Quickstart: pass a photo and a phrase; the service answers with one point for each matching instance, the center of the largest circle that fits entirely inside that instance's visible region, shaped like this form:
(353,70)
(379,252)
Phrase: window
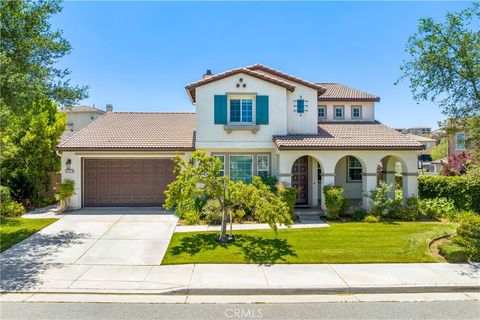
(241,110)
(338,112)
(241,168)
(460,141)
(222,159)
(354,169)
(356,112)
(322,112)
(263,165)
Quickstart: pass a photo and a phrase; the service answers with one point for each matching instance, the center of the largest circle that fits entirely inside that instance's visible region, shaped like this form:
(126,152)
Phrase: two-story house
(257,121)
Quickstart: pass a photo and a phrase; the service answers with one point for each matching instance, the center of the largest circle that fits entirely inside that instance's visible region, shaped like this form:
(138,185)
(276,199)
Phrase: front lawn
(348,242)
(14,230)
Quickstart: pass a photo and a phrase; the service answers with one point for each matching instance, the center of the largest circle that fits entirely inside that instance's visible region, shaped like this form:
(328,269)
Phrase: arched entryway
(306,178)
(349,175)
(390,170)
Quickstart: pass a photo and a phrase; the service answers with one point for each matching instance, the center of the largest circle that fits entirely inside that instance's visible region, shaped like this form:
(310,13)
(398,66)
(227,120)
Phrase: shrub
(468,236)
(370,219)
(192,217)
(408,212)
(334,201)
(359,214)
(8,207)
(345,206)
(436,208)
(271,182)
(453,252)
(462,216)
(213,212)
(381,200)
(238,215)
(464,190)
(65,190)
(289,196)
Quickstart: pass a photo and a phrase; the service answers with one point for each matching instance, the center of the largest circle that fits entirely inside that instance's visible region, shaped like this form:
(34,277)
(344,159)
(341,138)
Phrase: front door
(300,179)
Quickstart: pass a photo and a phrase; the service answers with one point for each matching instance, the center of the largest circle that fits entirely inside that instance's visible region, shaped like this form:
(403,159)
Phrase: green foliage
(238,215)
(8,207)
(468,236)
(213,212)
(381,200)
(408,212)
(289,196)
(271,182)
(359,214)
(192,217)
(444,64)
(334,201)
(437,208)
(65,190)
(463,190)
(371,219)
(453,252)
(440,151)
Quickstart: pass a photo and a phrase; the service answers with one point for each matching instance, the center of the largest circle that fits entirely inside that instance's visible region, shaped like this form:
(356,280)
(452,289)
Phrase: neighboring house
(79,117)
(457,143)
(257,121)
(418,130)
(428,143)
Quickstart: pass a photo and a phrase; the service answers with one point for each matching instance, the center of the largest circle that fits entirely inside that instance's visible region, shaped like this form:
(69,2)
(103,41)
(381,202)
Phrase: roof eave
(349,148)
(124,149)
(377,99)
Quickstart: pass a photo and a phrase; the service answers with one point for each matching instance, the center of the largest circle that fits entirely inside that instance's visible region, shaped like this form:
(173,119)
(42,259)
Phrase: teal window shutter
(262,109)
(220,109)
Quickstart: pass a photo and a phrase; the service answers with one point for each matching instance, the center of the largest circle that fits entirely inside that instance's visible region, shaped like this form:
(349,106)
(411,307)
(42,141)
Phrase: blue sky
(140,55)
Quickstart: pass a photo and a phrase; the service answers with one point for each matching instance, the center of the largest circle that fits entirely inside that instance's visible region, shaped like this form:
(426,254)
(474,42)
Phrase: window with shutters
(241,109)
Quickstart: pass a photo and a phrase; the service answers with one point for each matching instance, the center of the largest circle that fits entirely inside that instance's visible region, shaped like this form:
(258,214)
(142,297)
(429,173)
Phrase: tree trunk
(223,232)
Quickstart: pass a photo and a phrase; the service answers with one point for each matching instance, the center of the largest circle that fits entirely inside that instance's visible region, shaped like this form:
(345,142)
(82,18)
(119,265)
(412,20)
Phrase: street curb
(270,291)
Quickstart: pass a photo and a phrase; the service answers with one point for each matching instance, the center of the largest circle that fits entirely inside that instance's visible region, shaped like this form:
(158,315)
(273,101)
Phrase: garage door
(126,182)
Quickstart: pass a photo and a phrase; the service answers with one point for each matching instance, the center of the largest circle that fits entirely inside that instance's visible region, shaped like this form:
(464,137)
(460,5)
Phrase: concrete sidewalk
(211,279)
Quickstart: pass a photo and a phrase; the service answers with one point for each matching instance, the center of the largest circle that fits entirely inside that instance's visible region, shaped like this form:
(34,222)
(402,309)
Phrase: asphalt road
(372,310)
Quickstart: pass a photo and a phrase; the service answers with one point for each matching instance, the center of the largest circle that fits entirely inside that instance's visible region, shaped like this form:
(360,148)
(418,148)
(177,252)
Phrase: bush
(213,212)
(345,206)
(359,214)
(238,215)
(192,217)
(409,212)
(289,196)
(381,200)
(370,219)
(453,252)
(436,208)
(462,216)
(464,190)
(8,207)
(65,190)
(468,236)
(271,182)
(334,201)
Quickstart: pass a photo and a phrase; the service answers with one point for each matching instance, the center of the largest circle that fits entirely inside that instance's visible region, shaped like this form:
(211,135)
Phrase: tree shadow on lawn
(254,249)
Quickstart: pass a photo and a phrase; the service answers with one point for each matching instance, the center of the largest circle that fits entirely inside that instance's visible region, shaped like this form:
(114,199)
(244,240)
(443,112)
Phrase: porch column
(410,185)
(328,179)
(369,183)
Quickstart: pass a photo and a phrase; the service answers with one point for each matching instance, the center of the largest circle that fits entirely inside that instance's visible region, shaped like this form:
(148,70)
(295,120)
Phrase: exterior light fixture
(68,166)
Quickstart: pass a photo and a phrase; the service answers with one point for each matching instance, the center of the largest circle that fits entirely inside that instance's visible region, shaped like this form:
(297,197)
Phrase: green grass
(349,242)
(14,230)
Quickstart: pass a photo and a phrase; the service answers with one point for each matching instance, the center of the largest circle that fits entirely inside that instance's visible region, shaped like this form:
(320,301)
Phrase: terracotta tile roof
(191,87)
(262,68)
(81,109)
(340,92)
(121,131)
(349,136)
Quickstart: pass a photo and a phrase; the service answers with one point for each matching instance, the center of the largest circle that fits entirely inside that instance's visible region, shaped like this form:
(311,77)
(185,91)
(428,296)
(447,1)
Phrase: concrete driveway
(90,237)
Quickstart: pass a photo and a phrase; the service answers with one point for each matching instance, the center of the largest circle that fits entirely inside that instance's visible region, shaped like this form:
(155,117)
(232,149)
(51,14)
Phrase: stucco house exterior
(257,121)
(78,117)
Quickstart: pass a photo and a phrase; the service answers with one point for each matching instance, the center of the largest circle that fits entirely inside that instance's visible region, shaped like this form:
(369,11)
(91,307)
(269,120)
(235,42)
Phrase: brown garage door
(126,182)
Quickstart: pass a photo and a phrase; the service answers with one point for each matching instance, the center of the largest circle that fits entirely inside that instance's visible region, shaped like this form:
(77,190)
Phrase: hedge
(463,190)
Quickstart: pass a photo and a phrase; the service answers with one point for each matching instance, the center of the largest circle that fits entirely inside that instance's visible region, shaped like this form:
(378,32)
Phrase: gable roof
(349,136)
(81,109)
(420,138)
(192,86)
(135,131)
(341,92)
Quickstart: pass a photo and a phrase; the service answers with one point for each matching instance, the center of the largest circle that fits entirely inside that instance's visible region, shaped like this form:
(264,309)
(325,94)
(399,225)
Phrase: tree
(444,66)
(440,150)
(198,180)
(457,164)
(31,87)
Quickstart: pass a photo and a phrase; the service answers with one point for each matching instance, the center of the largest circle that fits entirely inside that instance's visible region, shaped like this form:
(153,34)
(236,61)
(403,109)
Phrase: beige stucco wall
(368,110)
(80,119)
(352,190)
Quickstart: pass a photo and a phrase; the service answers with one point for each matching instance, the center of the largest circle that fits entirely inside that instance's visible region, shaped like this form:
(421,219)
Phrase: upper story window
(354,170)
(338,112)
(322,112)
(241,110)
(357,112)
(460,141)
